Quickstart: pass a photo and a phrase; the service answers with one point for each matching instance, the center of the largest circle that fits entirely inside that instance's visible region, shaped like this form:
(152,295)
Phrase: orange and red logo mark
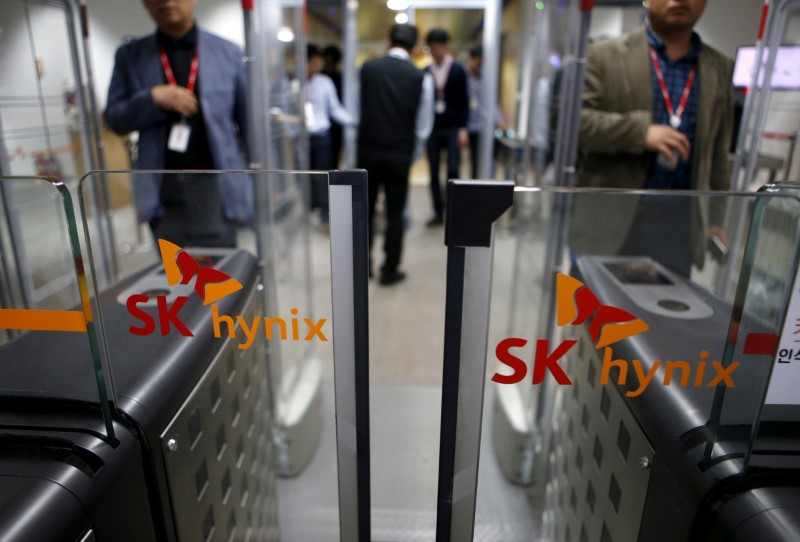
(211,285)
(578,305)
(180,268)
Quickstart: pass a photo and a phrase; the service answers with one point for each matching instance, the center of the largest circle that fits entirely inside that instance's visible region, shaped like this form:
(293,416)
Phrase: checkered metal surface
(596,484)
(219,451)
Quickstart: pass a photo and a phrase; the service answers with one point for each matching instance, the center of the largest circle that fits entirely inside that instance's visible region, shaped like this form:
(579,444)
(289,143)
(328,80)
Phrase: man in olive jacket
(633,137)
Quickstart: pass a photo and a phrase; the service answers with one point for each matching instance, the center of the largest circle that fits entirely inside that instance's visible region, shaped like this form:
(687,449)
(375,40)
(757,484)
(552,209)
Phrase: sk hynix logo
(578,305)
(180,268)
(211,285)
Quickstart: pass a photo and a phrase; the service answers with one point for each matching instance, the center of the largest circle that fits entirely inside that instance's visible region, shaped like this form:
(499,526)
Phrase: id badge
(309,111)
(179,137)
(666,163)
(440,106)
(473,104)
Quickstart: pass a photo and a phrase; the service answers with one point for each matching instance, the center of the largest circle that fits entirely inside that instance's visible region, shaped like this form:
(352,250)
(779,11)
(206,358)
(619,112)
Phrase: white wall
(606,23)
(23,126)
(610,22)
(725,24)
(110,21)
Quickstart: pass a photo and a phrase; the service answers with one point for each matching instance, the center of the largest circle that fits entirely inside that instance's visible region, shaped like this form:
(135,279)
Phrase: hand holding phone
(718,249)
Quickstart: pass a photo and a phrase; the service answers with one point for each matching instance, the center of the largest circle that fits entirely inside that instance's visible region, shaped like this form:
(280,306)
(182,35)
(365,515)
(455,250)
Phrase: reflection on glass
(50,351)
(646,347)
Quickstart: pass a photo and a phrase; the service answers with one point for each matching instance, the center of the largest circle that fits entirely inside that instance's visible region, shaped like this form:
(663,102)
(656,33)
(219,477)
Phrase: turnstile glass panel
(640,329)
(751,420)
(219,338)
(49,353)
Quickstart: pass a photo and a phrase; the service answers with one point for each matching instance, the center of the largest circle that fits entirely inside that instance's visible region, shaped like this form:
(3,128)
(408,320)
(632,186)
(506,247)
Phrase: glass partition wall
(47,128)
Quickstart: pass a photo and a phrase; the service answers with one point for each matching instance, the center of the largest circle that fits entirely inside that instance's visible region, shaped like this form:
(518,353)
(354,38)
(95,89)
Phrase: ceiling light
(397,5)
(401,18)
(286,35)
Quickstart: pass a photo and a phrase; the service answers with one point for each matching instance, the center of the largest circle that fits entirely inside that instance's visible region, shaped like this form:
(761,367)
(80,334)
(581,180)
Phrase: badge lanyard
(674,115)
(171,76)
(445,75)
(178,140)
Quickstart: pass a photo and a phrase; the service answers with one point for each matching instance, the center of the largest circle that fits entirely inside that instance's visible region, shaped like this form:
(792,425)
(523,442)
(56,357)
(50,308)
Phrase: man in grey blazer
(184,91)
(657,114)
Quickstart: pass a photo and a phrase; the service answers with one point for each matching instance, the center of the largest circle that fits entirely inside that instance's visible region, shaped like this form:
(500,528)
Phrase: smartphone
(717,249)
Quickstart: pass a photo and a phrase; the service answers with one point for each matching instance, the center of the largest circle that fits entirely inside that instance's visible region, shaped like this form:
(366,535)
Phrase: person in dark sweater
(333,56)
(396,119)
(451,115)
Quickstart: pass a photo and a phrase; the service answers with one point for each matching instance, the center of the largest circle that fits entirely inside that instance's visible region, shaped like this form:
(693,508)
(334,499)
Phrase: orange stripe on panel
(41,320)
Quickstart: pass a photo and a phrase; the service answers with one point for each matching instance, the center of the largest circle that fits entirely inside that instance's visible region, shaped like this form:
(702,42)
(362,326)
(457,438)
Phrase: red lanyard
(674,115)
(446,67)
(171,76)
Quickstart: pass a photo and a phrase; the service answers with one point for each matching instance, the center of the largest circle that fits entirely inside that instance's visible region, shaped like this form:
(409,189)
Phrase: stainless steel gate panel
(600,457)
(218,450)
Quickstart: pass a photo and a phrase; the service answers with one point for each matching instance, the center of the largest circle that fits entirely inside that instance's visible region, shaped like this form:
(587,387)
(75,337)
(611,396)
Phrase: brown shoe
(435,221)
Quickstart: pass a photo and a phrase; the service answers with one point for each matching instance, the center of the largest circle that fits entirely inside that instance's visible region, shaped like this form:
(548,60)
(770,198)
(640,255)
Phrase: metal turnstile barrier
(165,409)
(661,420)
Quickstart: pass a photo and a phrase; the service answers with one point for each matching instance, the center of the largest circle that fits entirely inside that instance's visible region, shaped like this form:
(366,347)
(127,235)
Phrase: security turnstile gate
(156,407)
(656,413)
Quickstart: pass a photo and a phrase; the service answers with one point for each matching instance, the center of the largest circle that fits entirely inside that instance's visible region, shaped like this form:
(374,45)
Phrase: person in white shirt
(322,104)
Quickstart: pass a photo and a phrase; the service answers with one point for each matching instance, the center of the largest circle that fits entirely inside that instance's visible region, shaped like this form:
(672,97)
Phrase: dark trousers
(662,230)
(473,152)
(192,213)
(392,177)
(442,139)
(337,138)
(320,158)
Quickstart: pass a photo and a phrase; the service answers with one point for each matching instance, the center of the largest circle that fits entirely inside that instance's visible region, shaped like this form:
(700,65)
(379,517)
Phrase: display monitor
(786,75)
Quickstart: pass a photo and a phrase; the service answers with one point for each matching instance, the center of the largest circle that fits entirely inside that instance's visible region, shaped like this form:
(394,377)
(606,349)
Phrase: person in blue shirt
(479,113)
